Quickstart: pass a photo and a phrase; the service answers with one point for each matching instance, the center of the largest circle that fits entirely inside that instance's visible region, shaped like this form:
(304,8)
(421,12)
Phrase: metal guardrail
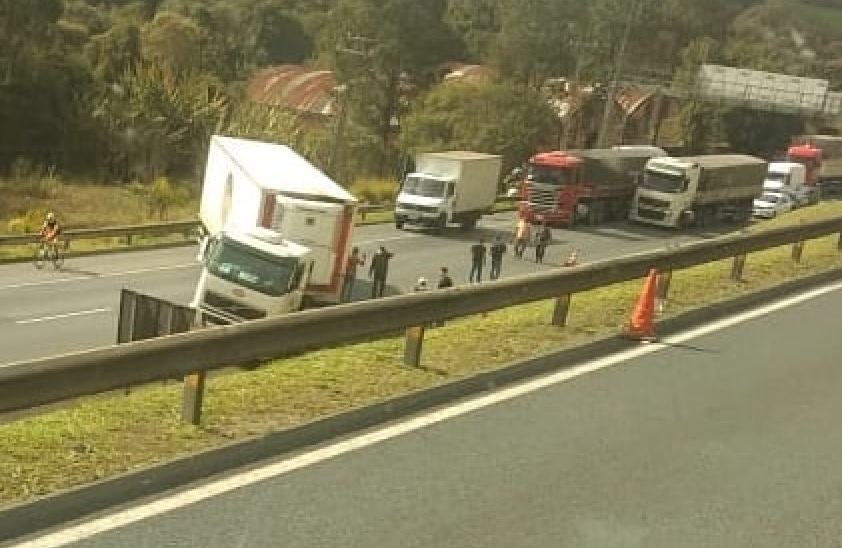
(187,228)
(157,229)
(31,384)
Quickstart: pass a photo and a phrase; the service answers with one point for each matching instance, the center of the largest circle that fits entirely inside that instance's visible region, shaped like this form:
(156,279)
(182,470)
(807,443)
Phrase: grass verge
(101,436)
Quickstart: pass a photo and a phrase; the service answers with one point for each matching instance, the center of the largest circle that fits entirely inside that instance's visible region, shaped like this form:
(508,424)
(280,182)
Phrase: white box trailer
(697,190)
(267,197)
(449,187)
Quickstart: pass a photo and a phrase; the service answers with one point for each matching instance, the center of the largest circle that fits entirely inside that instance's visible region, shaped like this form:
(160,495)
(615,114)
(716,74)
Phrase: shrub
(375,191)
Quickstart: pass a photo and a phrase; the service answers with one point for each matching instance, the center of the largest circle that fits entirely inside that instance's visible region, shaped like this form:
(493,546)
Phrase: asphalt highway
(46,312)
(728,437)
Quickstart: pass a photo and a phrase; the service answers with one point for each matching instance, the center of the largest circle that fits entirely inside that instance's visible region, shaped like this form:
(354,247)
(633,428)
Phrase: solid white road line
(175,501)
(97,276)
(62,316)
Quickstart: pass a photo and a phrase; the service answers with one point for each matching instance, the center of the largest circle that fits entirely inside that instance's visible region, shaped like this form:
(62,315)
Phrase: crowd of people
(524,235)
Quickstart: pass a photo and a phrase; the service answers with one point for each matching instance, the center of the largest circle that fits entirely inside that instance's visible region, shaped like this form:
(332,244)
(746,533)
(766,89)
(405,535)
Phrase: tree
(383,50)
(507,119)
(761,133)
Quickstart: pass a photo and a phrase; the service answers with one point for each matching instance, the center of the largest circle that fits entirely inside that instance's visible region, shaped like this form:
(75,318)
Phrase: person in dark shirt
(542,240)
(478,253)
(498,249)
(378,271)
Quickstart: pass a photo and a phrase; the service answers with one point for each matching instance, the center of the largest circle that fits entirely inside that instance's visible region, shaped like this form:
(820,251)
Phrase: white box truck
(698,190)
(791,178)
(277,232)
(448,187)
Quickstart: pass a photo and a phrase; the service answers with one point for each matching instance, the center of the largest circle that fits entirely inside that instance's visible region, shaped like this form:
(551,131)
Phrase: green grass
(101,436)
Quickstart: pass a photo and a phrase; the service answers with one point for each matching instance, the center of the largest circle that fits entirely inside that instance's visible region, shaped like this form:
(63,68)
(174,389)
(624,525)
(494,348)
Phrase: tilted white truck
(277,232)
(448,187)
(698,190)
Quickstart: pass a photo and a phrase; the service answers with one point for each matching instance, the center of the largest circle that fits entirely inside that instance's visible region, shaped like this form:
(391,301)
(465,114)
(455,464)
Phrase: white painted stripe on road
(63,316)
(216,488)
(97,276)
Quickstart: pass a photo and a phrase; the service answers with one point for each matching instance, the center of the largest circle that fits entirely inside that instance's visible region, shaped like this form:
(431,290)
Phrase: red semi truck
(822,156)
(563,188)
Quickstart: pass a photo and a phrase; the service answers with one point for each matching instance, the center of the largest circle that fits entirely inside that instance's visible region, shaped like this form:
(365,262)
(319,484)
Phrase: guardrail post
(797,251)
(662,289)
(413,346)
(194,392)
(128,239)
(737,267)
(839,242)
(562,307)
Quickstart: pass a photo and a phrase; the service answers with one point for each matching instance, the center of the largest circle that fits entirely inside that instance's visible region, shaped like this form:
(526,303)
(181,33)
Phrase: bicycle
(50,252)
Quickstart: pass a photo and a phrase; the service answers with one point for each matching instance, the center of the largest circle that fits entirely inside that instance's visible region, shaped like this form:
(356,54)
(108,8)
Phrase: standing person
(445,280)
(354,260)
(378,271)
(478,252)
(542,240)
(498,249)
(521,236)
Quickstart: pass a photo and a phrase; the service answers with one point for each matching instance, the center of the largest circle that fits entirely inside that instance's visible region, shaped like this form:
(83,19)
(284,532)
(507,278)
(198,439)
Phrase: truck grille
(541,199)
(653,203)
(231,308)
(415,207)
(651,214)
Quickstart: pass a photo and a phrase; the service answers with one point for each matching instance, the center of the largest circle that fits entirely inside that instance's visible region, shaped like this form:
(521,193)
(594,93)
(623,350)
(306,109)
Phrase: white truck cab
(790,177)
(250,275)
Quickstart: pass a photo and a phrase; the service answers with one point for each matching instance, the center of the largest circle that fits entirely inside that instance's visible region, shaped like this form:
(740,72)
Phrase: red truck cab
(562,188)
(810,157)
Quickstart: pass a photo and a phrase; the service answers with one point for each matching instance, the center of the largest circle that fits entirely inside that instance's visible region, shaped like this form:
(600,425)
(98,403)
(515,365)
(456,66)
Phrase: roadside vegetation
(98,437)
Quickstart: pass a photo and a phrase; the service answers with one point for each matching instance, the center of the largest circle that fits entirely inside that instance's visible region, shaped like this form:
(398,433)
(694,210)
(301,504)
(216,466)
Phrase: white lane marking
(175,501)
(63,316)
(97,276)
(388,239)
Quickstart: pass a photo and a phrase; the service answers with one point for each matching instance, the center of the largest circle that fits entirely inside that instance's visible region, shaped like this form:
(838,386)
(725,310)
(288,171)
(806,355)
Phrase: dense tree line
(124,90)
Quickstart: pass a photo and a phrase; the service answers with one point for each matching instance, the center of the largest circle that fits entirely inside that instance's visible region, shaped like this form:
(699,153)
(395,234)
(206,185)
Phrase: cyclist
(50,230)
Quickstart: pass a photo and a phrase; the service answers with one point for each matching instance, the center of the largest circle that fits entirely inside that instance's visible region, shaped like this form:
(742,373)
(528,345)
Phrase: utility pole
(618,67)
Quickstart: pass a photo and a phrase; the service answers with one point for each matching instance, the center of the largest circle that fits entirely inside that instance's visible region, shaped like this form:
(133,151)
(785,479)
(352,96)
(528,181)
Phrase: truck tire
(399,225)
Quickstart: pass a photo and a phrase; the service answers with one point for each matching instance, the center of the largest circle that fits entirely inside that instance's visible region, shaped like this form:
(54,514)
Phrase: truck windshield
(773,177)
(421,186)
(552,176)
(251,268)
(664,182)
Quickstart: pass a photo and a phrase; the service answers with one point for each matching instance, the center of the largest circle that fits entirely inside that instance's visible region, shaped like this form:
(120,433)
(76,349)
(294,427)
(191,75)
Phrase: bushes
(375,191)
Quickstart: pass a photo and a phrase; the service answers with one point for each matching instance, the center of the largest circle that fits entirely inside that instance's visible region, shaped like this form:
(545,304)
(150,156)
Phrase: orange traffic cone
(642,323)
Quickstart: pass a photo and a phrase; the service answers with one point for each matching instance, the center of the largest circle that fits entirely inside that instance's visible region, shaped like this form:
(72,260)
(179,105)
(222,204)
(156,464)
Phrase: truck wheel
(399,225)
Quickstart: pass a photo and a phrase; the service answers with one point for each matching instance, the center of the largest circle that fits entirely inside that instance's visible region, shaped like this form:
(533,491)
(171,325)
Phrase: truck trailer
(563,188)
(277,232)
(448,187)
(698,190)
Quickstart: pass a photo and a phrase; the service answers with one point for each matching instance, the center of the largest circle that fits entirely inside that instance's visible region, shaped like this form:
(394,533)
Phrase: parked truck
(791,178)
(822,157)
(448,187)
(277,232)
(698,190)
(563,188)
